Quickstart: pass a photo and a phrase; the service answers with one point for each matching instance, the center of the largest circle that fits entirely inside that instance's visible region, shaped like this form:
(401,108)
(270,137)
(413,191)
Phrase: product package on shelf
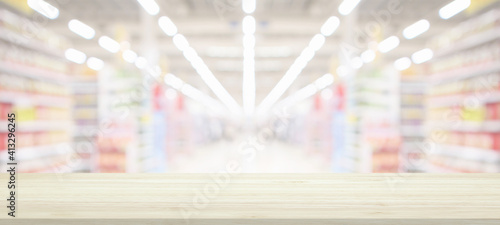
(464,98)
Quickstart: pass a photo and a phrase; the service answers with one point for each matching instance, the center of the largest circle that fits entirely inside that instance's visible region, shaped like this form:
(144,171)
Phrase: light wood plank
(257,198)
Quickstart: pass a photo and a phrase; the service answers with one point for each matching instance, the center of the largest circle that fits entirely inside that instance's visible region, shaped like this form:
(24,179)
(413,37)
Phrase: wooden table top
(228,198)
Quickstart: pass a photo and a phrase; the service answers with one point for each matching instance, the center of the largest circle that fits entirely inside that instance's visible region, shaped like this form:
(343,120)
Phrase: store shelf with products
(463,101)
(373,124)
(33,85)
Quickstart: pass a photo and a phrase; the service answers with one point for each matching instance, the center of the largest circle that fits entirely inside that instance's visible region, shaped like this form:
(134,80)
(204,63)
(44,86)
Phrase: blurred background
(273,86)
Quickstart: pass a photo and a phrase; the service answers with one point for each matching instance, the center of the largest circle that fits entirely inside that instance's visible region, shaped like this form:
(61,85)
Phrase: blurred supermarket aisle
(278,85)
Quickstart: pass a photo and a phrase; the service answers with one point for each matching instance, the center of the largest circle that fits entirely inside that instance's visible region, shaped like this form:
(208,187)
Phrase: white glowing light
(388,44)
(402,63)
(416,29)
(167,26)
(75,56)
(82,29)
(422,56)
(453,8)
(44,8)
(95,63)
(347,6)
(109,44)
(150,6)
(330,26)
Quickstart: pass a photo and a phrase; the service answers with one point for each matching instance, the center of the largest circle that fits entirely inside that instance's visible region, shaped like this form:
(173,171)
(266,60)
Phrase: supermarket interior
(265,86)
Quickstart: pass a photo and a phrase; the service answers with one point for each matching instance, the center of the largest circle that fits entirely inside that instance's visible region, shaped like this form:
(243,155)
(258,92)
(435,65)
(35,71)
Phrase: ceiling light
(95,63)
(173,81)
(368,56)
(150,6)
(248,25)
(388,44)
(347,6)
(330,26)
(402,63)
(316,42)
(81,29)
(248,6)
(129,56)
(141,62)
(44,8)
(324,81)
(180,42)
(422,56)
(167,26)
(109,44)
(75,56)
(453,8)
(416,29)
(171,93)
(248,41)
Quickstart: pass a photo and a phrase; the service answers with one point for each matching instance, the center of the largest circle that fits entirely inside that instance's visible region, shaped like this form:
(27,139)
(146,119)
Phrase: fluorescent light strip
(402,63)
(368,56)
(95,63)
(248,6)
(44,8)
(129,56)
(330,26)
(167,26)
(75,56)
(248,28)
(422,56)
(347,6)
(292,73)
(201,68)
(192,92)
(307,91)
(453,8)
(388,44)
(109,44)
(416,29)
(150,6)
(141,62)
(82,29)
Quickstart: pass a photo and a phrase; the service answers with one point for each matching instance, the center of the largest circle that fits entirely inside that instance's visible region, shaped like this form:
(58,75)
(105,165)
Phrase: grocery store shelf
(33,73)
(34,99)
(468,153)
(467,126)
(470,42)
(37,152)
(32,126)
(460,74)
(460,100)
(412,131)
(30,43)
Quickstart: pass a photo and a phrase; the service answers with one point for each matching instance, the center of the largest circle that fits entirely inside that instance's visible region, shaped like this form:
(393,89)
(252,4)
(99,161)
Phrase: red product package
(492,111)
(496,141)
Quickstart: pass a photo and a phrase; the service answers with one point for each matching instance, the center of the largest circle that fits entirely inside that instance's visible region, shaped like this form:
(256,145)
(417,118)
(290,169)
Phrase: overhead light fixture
(330,26)
(129,56)
(416,29)
(347,6)
(95,63)
(327,94)
(150,6)
(82,29)
(422,56)
(402,63)
(109,44)
(75,56)
(180,42)
(388,44)
(141,62)
(453,8)
(248,25)
(368,56)
(307,91)
(167,26)
(248,6)
(44,8)
(317,42)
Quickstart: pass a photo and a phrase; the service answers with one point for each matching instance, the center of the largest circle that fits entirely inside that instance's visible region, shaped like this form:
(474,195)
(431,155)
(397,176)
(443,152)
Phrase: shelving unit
(464,98)
(33,85)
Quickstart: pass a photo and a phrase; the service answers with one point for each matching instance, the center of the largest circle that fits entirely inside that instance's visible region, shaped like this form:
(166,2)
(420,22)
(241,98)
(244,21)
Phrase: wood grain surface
(227,198)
